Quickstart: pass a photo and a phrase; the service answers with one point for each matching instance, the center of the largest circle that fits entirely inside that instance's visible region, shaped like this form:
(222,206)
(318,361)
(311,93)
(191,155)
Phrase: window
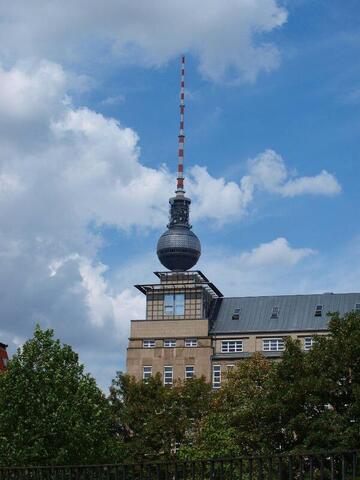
(169,304)
(179,304)
(236,314)
(168,343)
(168,375)
(318,310)
(357,307)
(230,367)
(149,344)
(189,372)
(147,372)
(174,304)
(273,345)
(275,312)
(231,346)
(191,342)
(308,343)
(216,376)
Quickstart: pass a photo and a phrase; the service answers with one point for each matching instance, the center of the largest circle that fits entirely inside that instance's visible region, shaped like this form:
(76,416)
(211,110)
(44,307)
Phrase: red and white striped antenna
(180,178)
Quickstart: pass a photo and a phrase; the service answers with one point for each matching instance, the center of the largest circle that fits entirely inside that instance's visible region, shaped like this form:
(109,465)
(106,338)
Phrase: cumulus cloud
(278,268)
(31,90)
(230,38)
(268,172)
(232,199)
(270,268)
(278,252)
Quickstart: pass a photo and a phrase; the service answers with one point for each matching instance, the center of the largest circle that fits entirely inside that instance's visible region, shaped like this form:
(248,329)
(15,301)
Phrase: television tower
(178,247)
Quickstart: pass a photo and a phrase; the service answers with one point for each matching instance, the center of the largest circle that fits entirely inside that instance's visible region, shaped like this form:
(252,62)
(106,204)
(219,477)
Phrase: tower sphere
(178,248)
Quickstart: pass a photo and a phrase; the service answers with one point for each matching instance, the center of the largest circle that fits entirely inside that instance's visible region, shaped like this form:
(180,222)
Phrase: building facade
(191,329)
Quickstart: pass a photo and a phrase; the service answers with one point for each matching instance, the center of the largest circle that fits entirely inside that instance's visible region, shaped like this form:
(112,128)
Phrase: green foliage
(308,401)
(237,424)
(152,418)
(51,412)
(333,366)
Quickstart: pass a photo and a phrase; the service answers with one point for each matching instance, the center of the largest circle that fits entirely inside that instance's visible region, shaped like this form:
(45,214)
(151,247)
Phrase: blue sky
(89,116)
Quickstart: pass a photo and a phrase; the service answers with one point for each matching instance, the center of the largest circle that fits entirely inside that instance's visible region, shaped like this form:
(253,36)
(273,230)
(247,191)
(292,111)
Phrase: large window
(191,342)
(147,372)
(273,345)
(308,343)
(174,304)
(189,372)
(231,346)
(169,343)
(149,343)
(216,376)
(168,375)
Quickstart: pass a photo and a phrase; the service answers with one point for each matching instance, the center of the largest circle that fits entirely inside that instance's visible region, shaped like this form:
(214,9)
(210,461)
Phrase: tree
(51,412)
(333,372)
(308,401)
(151,418)
(288,399)
(238,422)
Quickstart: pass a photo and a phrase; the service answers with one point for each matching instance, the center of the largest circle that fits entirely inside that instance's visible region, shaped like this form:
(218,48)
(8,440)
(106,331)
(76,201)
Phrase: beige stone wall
(178,358)
(168,328)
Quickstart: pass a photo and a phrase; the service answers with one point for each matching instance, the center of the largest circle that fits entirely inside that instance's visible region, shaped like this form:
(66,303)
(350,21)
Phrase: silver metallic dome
(178,248)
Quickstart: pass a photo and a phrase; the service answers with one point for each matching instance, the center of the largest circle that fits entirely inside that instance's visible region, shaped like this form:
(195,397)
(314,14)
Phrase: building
(192,329)
(3,356)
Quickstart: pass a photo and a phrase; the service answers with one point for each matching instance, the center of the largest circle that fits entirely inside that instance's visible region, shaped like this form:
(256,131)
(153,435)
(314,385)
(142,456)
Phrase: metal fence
(310,466)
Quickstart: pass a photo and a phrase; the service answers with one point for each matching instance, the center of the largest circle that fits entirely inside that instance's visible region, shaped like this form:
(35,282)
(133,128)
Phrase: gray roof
(296,312)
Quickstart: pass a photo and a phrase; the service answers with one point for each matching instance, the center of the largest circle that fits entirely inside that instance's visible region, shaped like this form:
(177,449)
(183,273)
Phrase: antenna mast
(180,177)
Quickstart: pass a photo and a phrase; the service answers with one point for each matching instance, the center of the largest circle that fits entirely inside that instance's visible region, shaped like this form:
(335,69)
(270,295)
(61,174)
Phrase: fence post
(332,467)
(311,468)
(354,462)
(290,468)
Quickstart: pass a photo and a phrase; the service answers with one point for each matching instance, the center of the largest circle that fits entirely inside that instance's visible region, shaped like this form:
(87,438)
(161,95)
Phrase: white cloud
(223,201)
(229,37)
(279,268)
(217,199)
(322,184)
(268,172)
(113,100)
(270,268)
(276,253)
(31,90)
